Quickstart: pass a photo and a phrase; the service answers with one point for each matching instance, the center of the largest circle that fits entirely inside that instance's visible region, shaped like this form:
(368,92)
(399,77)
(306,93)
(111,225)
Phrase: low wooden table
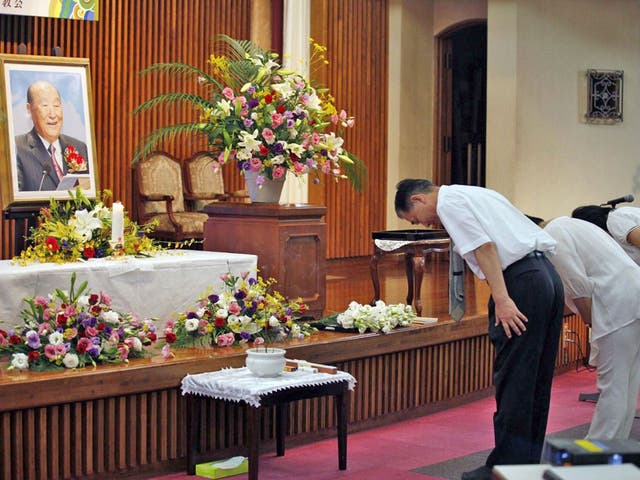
(421,243)
(278,393)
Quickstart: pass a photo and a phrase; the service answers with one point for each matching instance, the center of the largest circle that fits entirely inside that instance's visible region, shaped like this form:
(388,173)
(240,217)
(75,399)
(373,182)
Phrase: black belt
(535,253)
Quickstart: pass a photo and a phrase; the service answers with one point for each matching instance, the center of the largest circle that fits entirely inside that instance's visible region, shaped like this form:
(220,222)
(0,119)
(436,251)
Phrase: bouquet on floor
(246,310)
(80,229)
(375,318)
(73,329)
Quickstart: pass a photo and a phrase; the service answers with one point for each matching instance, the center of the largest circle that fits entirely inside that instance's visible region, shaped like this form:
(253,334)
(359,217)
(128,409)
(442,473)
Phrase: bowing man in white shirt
(602,285)
(504,247)
(622,223)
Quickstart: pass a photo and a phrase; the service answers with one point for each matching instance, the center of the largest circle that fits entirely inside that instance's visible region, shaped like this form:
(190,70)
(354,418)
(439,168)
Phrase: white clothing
(593,265)
(620,222)
(618,360)
(474,216)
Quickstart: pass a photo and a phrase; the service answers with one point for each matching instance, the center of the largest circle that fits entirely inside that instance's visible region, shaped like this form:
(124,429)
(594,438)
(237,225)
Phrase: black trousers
(524,365)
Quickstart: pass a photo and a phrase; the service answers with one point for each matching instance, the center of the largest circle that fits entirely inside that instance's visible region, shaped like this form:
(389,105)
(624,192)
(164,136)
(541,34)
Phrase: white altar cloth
(239,384)
(154,287)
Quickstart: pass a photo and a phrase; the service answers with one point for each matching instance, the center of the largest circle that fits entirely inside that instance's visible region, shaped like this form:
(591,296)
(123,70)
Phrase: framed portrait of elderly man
(47,139)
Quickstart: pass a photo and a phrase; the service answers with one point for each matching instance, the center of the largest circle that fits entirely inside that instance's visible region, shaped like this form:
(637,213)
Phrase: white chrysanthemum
(273,321)
(56,338)
(111,317)
(191,324)
(137,344)
(70,360)
(222,313)
(83,301)
(84,223)
(20,361)
(277,160)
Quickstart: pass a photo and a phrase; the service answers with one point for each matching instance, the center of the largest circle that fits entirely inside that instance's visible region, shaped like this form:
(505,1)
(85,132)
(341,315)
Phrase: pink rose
(166,352)
(106,299)
(255,164)
(123,351)
(268,135)
(258,341)
(240,101)
(276,120)
(50,351)
(228,93)
(278,171)
(41,302)
(60,349)
(225,340)
(91,331)
(234,309)
(315,138)
(298,168)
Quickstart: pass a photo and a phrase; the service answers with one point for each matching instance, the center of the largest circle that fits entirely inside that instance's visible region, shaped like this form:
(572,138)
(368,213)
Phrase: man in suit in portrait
(43,155)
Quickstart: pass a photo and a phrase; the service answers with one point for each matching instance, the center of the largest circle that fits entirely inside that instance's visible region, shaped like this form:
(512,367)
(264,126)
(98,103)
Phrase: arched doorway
(461,99)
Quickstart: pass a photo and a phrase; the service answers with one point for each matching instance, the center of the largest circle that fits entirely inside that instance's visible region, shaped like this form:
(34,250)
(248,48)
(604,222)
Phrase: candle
(117,223)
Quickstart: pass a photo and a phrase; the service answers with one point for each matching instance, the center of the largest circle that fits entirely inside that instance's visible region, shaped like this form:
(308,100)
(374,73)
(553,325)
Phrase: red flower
(268,98)
(52,244)
(281,109)
(33,356)
(170,337)
(152,337)
(101,326)
(263,150)
(14,339)
(88,252)
(219,322)
(61,319)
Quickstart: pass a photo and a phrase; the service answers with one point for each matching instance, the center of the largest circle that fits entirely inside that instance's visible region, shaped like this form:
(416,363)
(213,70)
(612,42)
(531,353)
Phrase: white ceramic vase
(268,192)
(266,362)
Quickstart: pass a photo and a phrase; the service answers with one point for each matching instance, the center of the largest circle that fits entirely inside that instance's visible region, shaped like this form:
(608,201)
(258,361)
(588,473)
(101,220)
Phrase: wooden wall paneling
(129,37)
(355,34)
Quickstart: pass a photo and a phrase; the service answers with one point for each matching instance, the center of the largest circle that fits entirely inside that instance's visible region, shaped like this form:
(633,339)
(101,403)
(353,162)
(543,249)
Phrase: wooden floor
(350,280)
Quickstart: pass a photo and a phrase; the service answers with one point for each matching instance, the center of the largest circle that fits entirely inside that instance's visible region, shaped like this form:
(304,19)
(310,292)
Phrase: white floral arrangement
(376,318)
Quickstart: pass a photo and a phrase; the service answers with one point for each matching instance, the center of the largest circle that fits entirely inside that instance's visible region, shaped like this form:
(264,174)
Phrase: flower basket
(263,118)
(74,328)
(246,310)
(81,229)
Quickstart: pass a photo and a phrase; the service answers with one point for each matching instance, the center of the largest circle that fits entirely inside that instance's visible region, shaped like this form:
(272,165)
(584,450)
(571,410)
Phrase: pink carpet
(392,452)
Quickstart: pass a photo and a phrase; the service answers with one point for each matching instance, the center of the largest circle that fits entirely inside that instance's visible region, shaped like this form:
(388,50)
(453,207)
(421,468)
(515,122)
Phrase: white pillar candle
(117,223)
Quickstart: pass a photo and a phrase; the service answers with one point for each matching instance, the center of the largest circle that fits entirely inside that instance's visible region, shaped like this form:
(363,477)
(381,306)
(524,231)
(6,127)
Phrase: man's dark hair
(408,187)
(593,214)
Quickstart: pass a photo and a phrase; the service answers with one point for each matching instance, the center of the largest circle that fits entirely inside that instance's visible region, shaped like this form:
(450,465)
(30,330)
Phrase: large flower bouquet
(377,318)
(267,119)
(74,328)
(80,229)
(246,310)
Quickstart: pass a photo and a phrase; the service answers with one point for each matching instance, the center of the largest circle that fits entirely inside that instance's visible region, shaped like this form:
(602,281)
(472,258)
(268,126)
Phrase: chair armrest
(156,198)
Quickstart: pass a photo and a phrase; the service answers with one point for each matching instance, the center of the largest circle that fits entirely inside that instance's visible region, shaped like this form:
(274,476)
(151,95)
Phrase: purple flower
(240,294)
(252,281)
(290,123)
(244,335)
(253,103)
(33,339)
(86,320)
(192,315)
(213,298)
(277,148)
(247,122)
(96,340)
(93,352)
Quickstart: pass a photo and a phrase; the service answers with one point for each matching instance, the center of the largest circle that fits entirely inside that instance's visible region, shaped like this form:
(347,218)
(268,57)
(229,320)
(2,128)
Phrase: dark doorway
(463,105)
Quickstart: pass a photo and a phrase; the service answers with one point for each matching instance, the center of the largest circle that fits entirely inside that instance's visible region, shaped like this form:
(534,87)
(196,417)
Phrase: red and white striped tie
(56,167)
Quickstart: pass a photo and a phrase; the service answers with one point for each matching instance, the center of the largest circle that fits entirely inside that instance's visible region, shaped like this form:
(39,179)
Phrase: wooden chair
(205,185)
(160,197)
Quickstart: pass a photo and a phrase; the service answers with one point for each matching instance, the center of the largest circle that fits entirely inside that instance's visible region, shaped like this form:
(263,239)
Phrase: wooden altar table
(153,287)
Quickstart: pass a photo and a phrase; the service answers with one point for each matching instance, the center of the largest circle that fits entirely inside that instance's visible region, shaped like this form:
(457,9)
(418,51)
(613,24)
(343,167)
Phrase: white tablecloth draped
(239,384)
(154,287)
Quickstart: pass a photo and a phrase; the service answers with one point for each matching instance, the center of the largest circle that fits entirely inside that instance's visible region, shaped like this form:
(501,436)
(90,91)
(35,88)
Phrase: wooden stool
(280,400)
